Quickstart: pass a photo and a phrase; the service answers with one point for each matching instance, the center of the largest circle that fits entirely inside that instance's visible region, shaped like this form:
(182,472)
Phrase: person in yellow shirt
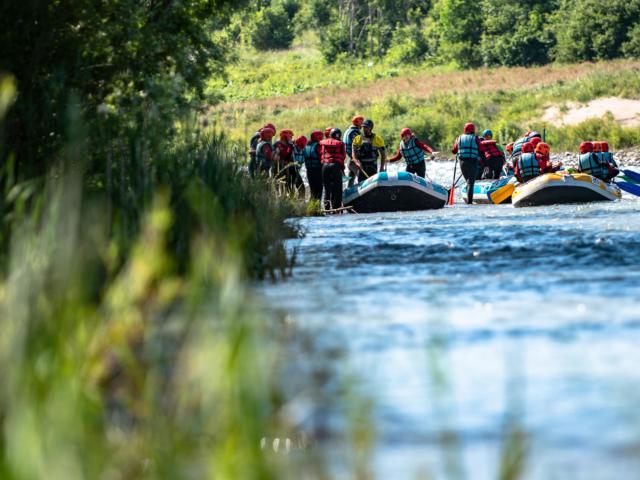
(367,147)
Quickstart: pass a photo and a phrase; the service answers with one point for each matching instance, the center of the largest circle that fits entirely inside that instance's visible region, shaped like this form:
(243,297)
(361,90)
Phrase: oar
(635,176)
(453,184)
(629,188)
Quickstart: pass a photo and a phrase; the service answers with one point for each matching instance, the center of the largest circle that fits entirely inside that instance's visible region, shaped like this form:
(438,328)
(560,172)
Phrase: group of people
(330,154)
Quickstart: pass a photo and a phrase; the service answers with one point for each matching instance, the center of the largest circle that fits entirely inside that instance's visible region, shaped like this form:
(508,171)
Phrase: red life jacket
(491,149)
(285,150)
(333,151)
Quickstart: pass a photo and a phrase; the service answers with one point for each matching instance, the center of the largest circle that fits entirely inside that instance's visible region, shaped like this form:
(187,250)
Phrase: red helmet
(509,148)
(317,136)
(301,141)
(271,126)
(543,149)
(327,132)
(597,146)
(605,146)
(527,147)
(266,133)
(586,147)
(405,131)
(286,134)
(535,141)
(469,128)
(357,120)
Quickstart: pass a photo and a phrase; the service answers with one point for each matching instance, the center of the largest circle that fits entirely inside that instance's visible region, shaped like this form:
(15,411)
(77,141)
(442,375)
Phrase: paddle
(453,184)
(635,176)
(629,188)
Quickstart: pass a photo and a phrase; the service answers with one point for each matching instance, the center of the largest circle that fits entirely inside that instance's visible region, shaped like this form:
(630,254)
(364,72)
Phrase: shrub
(271,29)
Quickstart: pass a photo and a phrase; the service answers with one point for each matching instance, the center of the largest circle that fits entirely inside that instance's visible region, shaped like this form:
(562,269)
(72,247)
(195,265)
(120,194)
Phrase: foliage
(408,45)
(270,28)
(631,48)
(515,33)
(459,29)
(593,30)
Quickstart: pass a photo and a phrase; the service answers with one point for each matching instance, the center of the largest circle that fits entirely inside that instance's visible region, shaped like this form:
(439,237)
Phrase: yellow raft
(556,188)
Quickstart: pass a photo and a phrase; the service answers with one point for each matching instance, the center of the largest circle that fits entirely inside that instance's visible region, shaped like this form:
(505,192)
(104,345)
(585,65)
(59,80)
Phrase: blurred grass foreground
(130,346)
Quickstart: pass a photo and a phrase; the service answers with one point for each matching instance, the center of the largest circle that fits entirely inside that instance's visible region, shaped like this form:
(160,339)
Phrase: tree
(593,30)
(458,28)
(271,28)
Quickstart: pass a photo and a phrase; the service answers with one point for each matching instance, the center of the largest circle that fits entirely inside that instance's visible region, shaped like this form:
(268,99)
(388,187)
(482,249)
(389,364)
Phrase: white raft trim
(393,181)
(607,190)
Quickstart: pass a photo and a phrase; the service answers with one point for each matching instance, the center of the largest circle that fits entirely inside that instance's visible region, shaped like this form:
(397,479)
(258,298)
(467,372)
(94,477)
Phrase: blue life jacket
(311,159)
(528,165)
(517,146)
(260,158)
(253,142)
(298,156)
(348,137)
(411,152)
(591,164)
(468,147)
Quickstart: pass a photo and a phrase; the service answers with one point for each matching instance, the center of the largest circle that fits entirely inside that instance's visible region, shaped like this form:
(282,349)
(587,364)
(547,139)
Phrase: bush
(631,48)
(408,45)
(271,29)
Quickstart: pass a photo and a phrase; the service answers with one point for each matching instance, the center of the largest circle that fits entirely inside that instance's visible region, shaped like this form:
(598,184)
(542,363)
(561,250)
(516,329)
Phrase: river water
(470,336)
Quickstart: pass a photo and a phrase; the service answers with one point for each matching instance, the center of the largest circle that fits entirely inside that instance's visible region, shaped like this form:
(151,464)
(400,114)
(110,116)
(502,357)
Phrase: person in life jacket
(285,168)
(333,156)
(349,135)
(367,147)
(299,144)
(517,145)
(590,163)
(607,157)
(412,150)
(327,132)
(469,151)
(543,155)
(494,158)
(312,156)
(527,166)
(253,143)
(264,151)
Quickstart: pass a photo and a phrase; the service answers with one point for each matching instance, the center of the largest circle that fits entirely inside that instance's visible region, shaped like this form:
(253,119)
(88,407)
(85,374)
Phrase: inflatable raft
(393,192)
(480,191)
(501,190)
(556,188)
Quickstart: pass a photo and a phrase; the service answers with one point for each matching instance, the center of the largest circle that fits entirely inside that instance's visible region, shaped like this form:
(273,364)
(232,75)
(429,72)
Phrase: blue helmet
(487,132)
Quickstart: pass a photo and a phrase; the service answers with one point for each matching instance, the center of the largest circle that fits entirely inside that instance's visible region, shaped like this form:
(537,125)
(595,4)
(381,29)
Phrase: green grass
(438,117)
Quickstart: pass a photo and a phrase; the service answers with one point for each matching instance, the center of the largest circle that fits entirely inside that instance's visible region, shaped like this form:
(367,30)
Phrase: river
(471,337)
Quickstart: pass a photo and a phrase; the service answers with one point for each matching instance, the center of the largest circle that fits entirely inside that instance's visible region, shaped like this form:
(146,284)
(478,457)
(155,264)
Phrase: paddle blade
(629,188)
(452,194)
(634,176)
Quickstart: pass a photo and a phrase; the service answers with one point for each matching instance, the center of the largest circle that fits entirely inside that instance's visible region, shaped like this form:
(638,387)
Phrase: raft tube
(480,191)
(556,188)
(394,192)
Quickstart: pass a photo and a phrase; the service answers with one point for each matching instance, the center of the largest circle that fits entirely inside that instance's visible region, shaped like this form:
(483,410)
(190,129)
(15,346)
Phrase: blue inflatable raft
(394,192)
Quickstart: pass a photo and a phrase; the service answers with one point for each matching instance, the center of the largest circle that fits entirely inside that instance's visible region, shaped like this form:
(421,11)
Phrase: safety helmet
(535,141)
(286,134)
(405,131)
(586,147)
(509,148)
(357,120)
(487,132)
(336,133)
(533,134)
(327,132)
(527,147)
(469,128)
(597,146)
(266,133)
(605,146)
(317,136)
(368,123)
(543,149)
(301,141)
(271,126)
